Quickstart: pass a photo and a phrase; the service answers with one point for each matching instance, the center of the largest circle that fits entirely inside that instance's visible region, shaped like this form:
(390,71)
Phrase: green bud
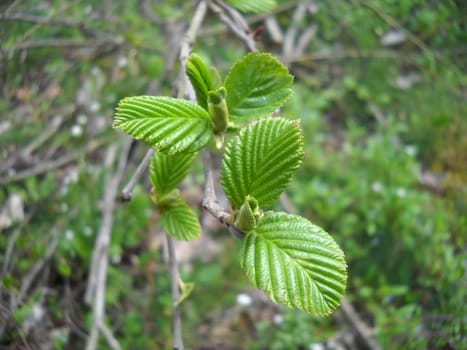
(219,113)
(166,200)
(249,215)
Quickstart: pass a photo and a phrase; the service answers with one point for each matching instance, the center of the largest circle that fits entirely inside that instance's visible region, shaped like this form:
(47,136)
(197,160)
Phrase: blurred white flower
(401,192)
(411,150)
(87,231)
(278,319)
(376,186)
(243,299)
(82,119)
(94,106)
(76,130)
(122,61)
(69,235)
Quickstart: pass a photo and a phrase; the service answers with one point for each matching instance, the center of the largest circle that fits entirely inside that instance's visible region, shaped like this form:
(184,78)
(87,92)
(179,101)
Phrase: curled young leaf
(219,113)
(200,77)
(249,215)
(295,263)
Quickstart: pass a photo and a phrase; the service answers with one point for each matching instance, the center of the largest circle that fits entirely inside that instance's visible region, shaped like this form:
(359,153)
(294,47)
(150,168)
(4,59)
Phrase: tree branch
(234,21)
(176,319)
(127,191)
(25,153)
(210,202)
(46,166)
(185,47)
(64,43)
(95,292)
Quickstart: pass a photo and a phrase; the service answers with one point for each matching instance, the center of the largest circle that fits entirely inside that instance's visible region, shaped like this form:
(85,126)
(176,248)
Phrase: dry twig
(127,191)
(234,21)
(45,167)
(176,318)
(25,153)
(95,292)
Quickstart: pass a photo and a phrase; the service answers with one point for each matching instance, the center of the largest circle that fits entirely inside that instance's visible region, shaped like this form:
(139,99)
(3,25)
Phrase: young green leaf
(295,263)
(167,171)
(167,124)
(185,289)
(256,6)
(261,160)
(257,85)
(219,113)
(200,77)
(181,222)
(249,215)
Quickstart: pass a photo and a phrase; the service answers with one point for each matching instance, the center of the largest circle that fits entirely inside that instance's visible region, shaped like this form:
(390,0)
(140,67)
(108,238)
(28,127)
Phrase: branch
(127,191)
(359,326)
(176,319)
(45,167)
(95,292)
(234,21)
(185,47)
(35,144)
(24,17)
(210,202)
(291,34)
(63,43)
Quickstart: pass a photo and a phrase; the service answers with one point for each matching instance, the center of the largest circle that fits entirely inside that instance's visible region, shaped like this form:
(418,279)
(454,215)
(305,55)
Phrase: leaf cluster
(294,261)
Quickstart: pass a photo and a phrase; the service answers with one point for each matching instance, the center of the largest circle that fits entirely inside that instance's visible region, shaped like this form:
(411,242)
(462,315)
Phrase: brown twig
(146,11)
(187,42)
(291,33)
(64,43)
(127,191)
(34,272)
(359,326)
(95,292)
(185,49)
(24,17)
(234,21)
(25,153)
(210,202)
(44,167)
(176,318)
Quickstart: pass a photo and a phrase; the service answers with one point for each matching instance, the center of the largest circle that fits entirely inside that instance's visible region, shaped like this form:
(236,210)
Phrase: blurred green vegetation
(385,170)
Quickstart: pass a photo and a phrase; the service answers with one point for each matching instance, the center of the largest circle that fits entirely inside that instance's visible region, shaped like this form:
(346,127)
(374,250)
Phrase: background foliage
(381,92)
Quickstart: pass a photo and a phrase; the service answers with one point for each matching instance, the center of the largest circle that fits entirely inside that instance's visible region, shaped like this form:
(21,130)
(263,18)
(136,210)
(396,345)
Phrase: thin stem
(235,22)
(128,189)
(95,292)
(210,202)
(176,319)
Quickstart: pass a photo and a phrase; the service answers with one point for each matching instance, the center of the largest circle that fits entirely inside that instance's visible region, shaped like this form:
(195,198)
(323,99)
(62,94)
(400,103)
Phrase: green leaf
(257,85)
(167,171)
(181,222)
(167,124)
(256,6)
(261,160)
(186,289)
(249,215)
(295,263)
(200,77)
